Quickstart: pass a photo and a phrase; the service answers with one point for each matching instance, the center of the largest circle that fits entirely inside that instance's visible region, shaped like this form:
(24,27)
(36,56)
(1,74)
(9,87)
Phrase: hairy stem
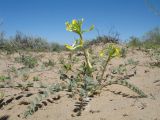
(85,55)
(104,68)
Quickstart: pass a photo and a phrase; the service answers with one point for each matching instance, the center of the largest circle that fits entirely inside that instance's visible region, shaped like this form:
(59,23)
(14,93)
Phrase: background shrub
(28,43)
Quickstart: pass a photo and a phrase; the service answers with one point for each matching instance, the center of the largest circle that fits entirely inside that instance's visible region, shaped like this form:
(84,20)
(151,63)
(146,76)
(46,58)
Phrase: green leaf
(77,44)
(39,96)
(45,94)
(91,28)
(26,114)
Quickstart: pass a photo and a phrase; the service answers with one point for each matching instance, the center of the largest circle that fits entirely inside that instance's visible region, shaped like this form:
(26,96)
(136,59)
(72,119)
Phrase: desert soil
(115,102)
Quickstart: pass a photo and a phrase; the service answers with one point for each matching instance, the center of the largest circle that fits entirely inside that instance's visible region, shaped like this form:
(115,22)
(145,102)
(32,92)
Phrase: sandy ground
(115,102)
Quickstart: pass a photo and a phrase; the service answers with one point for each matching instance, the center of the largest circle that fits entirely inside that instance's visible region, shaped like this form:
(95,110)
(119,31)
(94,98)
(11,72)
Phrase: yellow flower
(74,26)
(74,22)
(101,53)
(117,51)
(111,50)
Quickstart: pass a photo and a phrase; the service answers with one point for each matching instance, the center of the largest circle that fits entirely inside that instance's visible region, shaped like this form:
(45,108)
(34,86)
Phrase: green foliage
(56,47)
(5,81)
(28,61)
(132,62)
(123,52)
(119,70)
(35,78)
(40,97)
(153,36)
(4,78)
(114,38)
(24,87)
(83,85)
(151,40)
(129,85)
(66,65)
(21,42)
(1,95)
(51,63)
(14,71)
(150,45)
(134,42)
(61,60)
(156,56)
(25,76)
(81,81)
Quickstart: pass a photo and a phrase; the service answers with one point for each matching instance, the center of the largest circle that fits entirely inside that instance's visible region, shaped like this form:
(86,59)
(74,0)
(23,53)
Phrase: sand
(115,102)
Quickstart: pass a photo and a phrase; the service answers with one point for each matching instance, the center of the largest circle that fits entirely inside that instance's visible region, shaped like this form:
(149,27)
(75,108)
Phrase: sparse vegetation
(151,40)
(85,71)
(123,52)
(28,61)
(1,95)
(36,78)
(132,62)
(21,42)
(50,63)
(134,42)
(3,78)
(114,38)
(103,67)
(81,81)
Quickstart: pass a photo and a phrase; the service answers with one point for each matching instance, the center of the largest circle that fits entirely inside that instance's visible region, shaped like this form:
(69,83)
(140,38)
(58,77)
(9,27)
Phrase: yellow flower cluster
(76,27)
(111,50)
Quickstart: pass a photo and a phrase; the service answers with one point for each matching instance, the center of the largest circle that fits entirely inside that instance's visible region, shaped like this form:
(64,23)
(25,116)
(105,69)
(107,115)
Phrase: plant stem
(104,69)
(85,54)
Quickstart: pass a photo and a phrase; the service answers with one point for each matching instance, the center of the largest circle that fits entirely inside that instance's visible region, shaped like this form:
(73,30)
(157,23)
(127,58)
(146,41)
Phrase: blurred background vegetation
(28,43)
(150,40)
